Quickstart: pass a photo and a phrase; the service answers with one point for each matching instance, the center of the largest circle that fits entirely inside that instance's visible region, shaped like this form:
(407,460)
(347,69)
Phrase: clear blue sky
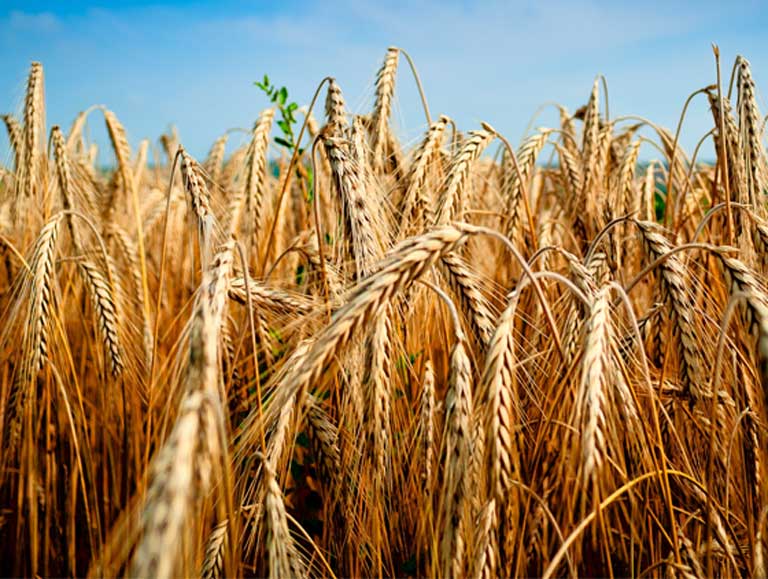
(193,63)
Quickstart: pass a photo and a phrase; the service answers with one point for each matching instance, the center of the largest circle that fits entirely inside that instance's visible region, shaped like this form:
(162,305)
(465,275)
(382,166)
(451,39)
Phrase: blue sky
(192,63)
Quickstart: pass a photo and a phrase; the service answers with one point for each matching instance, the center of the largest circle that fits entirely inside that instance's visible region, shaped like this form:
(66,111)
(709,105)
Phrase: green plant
(279,96)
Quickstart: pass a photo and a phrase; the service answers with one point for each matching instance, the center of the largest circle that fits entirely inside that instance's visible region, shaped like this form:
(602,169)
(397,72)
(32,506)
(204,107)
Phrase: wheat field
(450,357)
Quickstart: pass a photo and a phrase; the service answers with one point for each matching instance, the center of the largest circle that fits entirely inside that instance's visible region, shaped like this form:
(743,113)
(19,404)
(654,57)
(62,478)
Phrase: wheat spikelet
(465,284)
(268,298)
(170,142)
(194,184)
(760,238)
(75,143)
(751,132)
(382,108)
(427,426)
(359,216)
(590,138)
(592,389)
(498,389)
(755,310)
(406,263)
(512,182)
(42,267)
(334,109)
(415,200)
(458,404)
(179,475)
(255,183)
(325,438)
(378,355)
(105,308)
(682,315)
(186,466)
(35,340)
(571,168)
(65,182)
(485,559)
(15,139)
(33,130)
(213,563)
(284,559)
(497,385)
(731,144)
(604,141)
(450,203)
(199,201)
(215,161)
(121,147)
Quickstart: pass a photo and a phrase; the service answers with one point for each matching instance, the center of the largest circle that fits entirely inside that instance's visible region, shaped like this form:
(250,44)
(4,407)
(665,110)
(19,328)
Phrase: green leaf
(283,142)
(291,107)
(266,80)
(282,96)
(284,126)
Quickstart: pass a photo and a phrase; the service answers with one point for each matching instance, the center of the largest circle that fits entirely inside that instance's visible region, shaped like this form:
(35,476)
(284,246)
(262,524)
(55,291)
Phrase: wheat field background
(337,353)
